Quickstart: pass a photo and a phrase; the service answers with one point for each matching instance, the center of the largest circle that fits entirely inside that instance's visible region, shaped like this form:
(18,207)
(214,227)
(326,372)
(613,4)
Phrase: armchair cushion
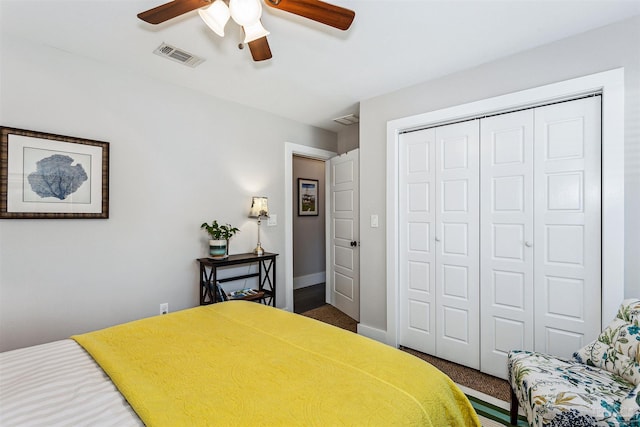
(557,392)
(607,357)
(616,348)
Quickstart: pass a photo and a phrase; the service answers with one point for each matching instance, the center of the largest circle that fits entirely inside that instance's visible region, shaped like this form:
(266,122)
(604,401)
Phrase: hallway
(308,298)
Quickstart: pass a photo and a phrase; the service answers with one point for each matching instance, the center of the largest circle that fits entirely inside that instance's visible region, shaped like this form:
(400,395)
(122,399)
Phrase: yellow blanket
(242,363)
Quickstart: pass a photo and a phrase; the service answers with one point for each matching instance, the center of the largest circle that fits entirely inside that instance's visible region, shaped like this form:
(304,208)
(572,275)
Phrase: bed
(232,363)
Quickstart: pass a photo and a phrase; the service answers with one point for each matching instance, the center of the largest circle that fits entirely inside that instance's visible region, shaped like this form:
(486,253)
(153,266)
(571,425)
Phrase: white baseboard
(373,333)
(309,280)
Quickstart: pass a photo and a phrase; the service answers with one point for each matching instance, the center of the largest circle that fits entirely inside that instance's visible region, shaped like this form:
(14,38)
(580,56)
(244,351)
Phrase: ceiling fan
(247,13)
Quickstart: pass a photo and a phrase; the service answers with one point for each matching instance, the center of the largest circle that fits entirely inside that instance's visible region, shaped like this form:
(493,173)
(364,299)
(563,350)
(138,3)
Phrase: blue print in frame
(52,176)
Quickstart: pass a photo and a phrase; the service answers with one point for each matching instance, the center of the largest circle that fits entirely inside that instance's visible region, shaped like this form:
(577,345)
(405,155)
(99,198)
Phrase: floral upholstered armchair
(599,387)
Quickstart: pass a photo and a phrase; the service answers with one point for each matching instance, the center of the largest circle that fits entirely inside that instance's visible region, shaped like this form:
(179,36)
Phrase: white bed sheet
(59,384)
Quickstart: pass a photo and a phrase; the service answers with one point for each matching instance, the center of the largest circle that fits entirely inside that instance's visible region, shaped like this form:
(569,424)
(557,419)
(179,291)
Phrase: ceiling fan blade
(170,10)
(316,10)
(260,49)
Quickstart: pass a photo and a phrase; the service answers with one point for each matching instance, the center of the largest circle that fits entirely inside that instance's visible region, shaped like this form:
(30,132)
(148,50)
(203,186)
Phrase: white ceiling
(317,73)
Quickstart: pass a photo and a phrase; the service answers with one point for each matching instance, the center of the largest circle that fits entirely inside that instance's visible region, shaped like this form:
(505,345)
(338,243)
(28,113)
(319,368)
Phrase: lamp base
(258,250)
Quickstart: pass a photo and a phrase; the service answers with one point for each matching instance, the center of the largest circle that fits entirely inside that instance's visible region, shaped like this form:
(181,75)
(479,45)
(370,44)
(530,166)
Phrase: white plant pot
(218,249)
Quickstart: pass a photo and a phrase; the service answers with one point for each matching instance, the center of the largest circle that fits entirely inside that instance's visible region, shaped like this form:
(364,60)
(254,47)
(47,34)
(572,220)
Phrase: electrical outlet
(164,308)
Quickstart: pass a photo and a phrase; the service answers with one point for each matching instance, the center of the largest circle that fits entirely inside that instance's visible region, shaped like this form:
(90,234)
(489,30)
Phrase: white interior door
(567,225)
(345,255)
(506,238)
(417,255)
(457,243)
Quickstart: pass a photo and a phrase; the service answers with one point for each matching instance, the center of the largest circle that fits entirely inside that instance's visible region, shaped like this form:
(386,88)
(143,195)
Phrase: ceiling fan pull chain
(241,36)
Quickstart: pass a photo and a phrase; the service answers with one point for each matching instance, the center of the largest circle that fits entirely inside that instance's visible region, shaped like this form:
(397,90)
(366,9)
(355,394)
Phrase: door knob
(528,244)
(353,244)
(437,239)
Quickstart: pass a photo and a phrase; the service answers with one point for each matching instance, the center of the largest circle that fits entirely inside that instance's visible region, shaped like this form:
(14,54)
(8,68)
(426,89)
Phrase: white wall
(603,49)
(178,159)
(348,138)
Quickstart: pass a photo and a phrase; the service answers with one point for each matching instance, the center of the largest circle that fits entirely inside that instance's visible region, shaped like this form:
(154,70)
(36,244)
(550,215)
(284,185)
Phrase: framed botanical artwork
(307,197)
(43,175)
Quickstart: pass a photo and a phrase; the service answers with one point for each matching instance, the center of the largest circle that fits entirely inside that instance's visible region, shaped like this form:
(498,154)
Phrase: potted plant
(220,235)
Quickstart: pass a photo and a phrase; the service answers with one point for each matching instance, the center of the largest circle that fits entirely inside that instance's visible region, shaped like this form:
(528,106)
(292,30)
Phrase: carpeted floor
(467,377)
(331,315)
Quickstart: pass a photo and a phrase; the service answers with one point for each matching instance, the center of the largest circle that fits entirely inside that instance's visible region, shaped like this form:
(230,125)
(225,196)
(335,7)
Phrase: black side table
(266,292)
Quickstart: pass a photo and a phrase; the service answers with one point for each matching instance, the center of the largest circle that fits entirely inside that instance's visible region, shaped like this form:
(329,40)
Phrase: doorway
(292,150)
(610,85)
(341,178)
(309,233)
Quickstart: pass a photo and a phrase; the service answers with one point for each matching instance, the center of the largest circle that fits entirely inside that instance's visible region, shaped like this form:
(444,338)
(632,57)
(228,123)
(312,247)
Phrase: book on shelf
(242,293)
(220,294)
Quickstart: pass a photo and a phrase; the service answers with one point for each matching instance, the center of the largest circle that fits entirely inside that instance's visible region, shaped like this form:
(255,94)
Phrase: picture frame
(43,175)
(307,197)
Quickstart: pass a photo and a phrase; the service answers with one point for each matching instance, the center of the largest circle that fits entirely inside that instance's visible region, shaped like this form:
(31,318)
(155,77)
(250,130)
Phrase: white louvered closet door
(506,236)
(457,243)
(567,225)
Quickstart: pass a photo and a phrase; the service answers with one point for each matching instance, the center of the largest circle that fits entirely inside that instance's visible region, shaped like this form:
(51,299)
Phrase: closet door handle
(528,244)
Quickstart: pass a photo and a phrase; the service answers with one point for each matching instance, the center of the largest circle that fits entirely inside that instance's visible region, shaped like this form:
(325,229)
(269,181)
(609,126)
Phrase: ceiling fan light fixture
(245,12)
(216,16)
(254,32)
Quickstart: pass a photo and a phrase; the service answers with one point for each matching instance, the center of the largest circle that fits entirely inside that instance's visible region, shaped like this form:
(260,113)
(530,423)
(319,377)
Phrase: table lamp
(258,210)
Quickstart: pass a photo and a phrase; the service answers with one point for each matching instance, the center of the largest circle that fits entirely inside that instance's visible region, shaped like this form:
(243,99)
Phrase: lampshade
(245,12)
(258,207)
(216,16)
(254,32)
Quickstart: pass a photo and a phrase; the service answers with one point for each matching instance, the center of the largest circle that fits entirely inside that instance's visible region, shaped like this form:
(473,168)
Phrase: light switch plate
(273,220)
(374,221)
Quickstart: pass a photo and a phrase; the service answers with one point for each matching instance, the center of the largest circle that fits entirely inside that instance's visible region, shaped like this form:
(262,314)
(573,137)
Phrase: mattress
(59,384)
(232,363)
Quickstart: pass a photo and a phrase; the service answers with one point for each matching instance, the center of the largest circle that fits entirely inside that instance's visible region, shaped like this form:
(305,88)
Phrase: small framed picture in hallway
(307,197)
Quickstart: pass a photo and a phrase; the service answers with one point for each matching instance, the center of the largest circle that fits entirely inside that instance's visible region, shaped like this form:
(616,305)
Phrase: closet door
(457,243)
(438,259)
(567,225)
(416,241)
(506,236)
(540,233)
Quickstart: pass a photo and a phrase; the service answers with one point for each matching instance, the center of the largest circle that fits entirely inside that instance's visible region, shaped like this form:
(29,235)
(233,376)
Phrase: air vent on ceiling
(178,55)
(347,120)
